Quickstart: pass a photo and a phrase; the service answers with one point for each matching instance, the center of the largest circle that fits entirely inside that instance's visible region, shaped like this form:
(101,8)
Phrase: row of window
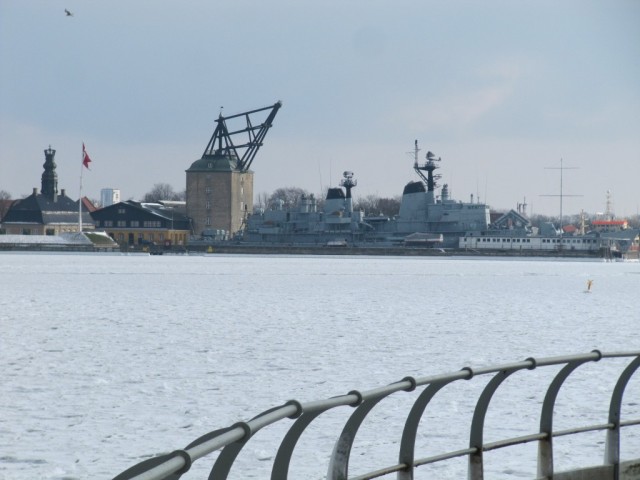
(498,240)
(131,223)
(569,240)
(208,189)
(48,231)
(207,205)
(544,240)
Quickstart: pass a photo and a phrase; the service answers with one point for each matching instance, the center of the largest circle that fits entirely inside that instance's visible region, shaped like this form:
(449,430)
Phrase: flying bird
(69,14)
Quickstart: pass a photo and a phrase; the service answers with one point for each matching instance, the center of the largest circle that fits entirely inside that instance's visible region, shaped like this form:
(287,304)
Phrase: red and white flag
(85,157)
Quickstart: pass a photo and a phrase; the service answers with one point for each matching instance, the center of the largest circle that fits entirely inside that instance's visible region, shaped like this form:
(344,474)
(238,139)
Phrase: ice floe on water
(110,359)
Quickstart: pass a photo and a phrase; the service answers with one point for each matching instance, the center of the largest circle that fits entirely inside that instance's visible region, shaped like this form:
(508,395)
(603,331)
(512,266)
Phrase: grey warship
(428,218)
(425,217)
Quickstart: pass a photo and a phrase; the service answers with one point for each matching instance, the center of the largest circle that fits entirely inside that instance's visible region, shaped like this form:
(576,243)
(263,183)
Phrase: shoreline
(243,249)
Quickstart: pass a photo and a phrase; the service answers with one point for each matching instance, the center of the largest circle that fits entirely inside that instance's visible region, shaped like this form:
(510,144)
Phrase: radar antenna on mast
(348,182)
(429,166)
(221,142)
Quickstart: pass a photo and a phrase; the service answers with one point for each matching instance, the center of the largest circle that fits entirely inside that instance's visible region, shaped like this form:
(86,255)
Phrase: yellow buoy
(589,283)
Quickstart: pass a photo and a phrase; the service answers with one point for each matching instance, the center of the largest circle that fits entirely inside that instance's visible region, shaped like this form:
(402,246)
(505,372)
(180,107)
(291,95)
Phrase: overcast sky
(501,90)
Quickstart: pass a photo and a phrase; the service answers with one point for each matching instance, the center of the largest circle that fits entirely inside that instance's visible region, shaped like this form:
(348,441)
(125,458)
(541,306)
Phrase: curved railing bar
(339,461)
(229,453)
(408,442)
(307,414)
(612,449)
(280,468)
(312,410)
(173,465)
(476,467)
(545,445)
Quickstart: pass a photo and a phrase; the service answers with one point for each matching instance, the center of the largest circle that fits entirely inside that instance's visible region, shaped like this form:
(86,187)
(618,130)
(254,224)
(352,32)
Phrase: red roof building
(609,225)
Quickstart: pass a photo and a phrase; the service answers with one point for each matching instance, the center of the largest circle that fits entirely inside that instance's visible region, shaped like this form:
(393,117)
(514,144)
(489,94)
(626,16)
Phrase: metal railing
(231,440)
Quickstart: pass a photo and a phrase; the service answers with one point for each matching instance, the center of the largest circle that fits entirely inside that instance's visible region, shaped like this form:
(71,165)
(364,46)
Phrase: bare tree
(5,203)
(162,191)
(370,204)
(537,220)
(261,201)
(374,205)
(389,206)
(289,195)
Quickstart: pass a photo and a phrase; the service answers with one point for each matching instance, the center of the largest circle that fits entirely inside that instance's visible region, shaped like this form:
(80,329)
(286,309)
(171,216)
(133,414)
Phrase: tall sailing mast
(562,194)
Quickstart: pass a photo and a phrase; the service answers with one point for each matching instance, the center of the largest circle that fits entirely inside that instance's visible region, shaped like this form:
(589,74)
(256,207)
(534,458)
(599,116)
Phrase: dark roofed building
(135,223)
(513,222)
(47,212)
(5,205)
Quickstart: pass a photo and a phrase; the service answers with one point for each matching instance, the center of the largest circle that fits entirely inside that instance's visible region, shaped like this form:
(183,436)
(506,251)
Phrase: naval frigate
(425,217)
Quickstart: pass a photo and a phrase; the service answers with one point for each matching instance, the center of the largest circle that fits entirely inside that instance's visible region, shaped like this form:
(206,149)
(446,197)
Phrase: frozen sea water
(109,359)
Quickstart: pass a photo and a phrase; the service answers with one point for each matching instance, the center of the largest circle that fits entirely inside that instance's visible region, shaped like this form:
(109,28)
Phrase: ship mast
(429,166)
(608,213)
(348,182)
(562,195)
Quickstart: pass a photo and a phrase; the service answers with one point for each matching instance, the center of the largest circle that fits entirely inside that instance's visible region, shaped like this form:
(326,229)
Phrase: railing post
(545,446)
(280,468)
(612,449)
(224,462)
(339,462)
(476,438)
(408,442)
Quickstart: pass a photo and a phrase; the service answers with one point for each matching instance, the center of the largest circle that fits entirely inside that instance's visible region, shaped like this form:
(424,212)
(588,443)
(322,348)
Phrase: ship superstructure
(305,223)
(439,218)
(427,217)
(421,210)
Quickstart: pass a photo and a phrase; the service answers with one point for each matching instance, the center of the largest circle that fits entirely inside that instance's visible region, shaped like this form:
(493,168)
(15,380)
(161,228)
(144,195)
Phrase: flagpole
(80,199)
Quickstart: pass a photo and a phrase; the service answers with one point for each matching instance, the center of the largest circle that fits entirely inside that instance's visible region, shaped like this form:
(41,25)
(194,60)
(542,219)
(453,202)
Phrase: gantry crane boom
(221,142)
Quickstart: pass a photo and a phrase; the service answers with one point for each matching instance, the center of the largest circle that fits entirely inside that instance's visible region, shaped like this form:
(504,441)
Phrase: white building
(109,196)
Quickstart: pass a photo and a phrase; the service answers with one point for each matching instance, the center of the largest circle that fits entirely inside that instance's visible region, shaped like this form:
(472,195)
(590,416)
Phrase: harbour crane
(222,144)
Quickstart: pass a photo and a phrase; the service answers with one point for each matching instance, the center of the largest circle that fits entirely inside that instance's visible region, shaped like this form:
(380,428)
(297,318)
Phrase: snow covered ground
(62,239)
(109,359)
